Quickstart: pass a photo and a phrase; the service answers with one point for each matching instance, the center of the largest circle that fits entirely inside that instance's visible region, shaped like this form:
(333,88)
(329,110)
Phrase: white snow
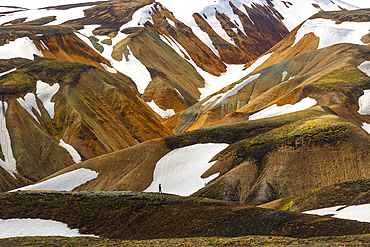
(65,182)
(234,73)
(231,92)
(9,164)
(164,114)
(284,74)
(179,93)
(44,46)
(300,10)
(34,14)
(21,47)
(357,212)
(179,172)
(275,110)
(42,4)
(366,127)
(74,154)
(45,93)
(331,33)
(11,228)
(8,72)
(365,67)
(131,67)
(108,68)
(364,103)
(29,103)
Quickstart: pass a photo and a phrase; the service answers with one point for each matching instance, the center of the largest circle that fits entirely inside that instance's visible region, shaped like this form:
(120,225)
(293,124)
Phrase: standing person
(160,189)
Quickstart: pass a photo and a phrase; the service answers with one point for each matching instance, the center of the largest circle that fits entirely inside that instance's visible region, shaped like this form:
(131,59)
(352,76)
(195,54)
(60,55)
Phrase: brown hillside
(127,215)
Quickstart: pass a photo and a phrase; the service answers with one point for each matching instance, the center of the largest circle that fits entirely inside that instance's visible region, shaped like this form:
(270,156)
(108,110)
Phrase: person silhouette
(160,189)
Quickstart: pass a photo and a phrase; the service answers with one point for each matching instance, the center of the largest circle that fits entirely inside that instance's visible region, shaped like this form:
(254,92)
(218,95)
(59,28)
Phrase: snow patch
(179,93)
(275,110)
(8,72)
(9,164)
(364,103)
(234,73)
(43,4)
(284,74)
(34,14)
(366,127)
(74,154)
(12,228)
(365,67)
(21,47)
(108,68)
(65,182)
(179,172)
(164,114)
(45,93)
(232,91)
(44,46)
(357,212)
(331,33)
(29,103)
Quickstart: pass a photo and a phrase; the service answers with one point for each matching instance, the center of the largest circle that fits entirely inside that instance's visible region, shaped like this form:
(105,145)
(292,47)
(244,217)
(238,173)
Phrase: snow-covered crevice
(276,110)
(28,103)
(164,114)
(357,212)
(21,47)
(9,162)
(221,97)
(284,74)
(179,172)
(65,182)
(12,228)
(45,93)
(74,154)
(8,72)
(331,33)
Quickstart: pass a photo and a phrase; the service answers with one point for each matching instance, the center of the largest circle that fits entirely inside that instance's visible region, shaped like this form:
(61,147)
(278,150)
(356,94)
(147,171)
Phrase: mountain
(245,102)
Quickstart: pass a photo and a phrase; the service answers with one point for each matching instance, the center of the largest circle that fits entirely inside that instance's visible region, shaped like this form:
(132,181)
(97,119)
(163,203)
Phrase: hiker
(160,189)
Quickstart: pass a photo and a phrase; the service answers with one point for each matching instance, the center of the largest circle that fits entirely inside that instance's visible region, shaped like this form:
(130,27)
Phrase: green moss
(349,82)
(214,191)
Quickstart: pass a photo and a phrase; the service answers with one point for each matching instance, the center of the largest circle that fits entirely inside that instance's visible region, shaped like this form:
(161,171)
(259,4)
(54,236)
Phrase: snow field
(74,154)
(45,93)
(21,47)
(9,162)
(164,114)
(12,228)
(65,182)
(34,14)
(233,74)
(276,110)
(358,212)
(231,92)
(179,172)
(331,33)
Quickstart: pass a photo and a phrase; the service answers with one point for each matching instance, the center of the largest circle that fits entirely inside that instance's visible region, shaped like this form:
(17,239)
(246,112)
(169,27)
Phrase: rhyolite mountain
(249,101)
